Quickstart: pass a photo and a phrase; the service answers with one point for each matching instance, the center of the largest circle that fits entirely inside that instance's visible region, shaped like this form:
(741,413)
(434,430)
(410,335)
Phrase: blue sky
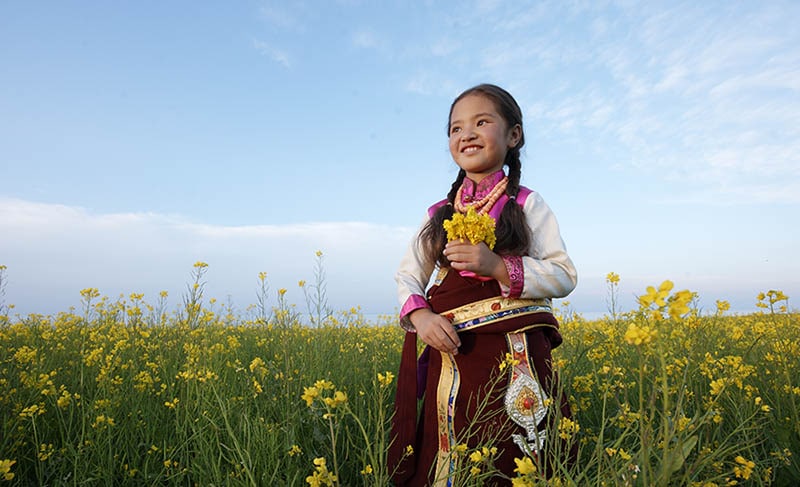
(137,138)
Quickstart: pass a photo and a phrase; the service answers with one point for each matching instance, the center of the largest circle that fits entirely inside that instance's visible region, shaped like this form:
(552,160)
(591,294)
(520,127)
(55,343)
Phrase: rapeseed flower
(636,335)
(309,394)
(474,227)
(743,468)
(508,361)
(567,428)
(656,296)
(5,469)
(525,466)
(385,379)
(338,399)
(321,476)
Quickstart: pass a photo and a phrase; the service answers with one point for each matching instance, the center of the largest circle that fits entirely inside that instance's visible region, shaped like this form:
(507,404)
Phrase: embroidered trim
(525,399)
(516,274)
(446,393)
(413,303)
(495,309)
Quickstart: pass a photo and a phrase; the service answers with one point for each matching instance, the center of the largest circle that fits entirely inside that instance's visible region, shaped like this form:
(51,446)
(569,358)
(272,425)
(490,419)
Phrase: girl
(487,310)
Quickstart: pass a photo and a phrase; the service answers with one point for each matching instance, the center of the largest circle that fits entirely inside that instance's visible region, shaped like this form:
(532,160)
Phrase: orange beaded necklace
(484,204)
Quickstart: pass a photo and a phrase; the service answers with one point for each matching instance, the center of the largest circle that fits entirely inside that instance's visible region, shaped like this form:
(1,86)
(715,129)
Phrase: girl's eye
(481,122)
(455,130)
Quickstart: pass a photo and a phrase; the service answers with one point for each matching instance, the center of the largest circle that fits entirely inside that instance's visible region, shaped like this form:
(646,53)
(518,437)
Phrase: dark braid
(512,231)
(451,196)
(514,173)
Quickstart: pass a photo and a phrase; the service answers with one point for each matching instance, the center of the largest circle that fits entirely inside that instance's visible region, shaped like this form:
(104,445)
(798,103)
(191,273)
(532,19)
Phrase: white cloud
(365,39)
(279,15)
(53,251)
(277,55)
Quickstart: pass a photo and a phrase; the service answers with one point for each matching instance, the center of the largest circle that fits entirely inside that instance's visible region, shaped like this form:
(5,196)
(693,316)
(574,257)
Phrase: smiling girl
(489,309)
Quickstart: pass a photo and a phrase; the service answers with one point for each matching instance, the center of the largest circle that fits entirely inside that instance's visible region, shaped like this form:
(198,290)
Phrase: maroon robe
(482,349)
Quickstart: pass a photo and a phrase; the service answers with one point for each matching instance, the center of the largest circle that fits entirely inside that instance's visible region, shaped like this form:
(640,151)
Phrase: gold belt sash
(492,310)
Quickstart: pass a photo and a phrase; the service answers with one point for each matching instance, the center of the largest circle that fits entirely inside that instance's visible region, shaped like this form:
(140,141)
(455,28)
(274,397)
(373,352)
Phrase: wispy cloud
(283,15)
(365,39)
(278,55)
(53,251)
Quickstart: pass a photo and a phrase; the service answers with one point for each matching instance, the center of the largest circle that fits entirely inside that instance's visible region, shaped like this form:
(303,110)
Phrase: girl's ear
(514,135)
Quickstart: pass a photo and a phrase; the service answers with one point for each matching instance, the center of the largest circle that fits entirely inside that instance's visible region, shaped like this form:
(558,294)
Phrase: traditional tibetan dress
(467,399)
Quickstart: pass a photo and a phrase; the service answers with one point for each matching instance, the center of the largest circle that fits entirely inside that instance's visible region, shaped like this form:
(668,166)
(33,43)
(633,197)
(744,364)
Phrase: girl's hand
(478,258)
(435,330)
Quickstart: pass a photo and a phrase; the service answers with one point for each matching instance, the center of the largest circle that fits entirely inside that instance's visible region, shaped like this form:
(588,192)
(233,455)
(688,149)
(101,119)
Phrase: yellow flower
(508,361)
(102,420)
(409,450)
(567,428)
(321,476)
(679,304)
(309,394)
(64,400)
(258,364)
(636,335)
(295,450)
(5,469)
(717,386)
(525,466)
(474,227)
(612,278)
(743,467)
(521,482)
(32,410)
(656,296)
(385,379)
(367,470)
(45,451)
(338,398)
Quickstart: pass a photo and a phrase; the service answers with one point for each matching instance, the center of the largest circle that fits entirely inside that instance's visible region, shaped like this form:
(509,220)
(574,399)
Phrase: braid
(433,235)
(514,172)
(451,196)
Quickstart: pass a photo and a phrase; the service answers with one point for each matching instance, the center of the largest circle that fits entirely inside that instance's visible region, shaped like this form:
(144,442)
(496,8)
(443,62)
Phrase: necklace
(484,204)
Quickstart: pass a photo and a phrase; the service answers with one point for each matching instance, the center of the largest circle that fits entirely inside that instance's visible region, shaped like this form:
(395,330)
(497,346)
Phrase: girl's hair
(512,232)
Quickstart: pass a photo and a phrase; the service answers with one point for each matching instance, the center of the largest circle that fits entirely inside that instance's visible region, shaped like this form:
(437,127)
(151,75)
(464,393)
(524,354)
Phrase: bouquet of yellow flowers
(475,227)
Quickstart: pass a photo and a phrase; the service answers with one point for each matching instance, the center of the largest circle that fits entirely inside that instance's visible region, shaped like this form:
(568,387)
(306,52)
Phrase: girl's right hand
(435,330)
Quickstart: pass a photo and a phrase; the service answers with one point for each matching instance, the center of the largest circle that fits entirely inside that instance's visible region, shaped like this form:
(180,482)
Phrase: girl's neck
(481,195)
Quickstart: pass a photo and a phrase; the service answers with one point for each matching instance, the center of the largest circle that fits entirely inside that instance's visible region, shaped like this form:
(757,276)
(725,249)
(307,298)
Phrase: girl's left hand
(478,258)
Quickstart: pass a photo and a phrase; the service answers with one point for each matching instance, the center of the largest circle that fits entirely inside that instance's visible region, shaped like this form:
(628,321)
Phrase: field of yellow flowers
(124,392)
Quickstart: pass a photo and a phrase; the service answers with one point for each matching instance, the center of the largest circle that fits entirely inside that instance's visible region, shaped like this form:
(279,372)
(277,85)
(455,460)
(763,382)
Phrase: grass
(127,393)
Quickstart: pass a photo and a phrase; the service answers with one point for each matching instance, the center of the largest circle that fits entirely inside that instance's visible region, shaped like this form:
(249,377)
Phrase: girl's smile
(480,137)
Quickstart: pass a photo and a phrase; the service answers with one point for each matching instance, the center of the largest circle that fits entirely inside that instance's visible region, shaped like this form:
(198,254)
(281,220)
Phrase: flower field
(126,392)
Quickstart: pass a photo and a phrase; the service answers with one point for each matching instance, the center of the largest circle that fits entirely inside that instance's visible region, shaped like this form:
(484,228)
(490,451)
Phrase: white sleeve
(548,270)
(413,274)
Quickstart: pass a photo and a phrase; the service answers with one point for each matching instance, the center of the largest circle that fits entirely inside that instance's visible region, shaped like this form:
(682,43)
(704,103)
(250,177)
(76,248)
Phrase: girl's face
(480,137)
